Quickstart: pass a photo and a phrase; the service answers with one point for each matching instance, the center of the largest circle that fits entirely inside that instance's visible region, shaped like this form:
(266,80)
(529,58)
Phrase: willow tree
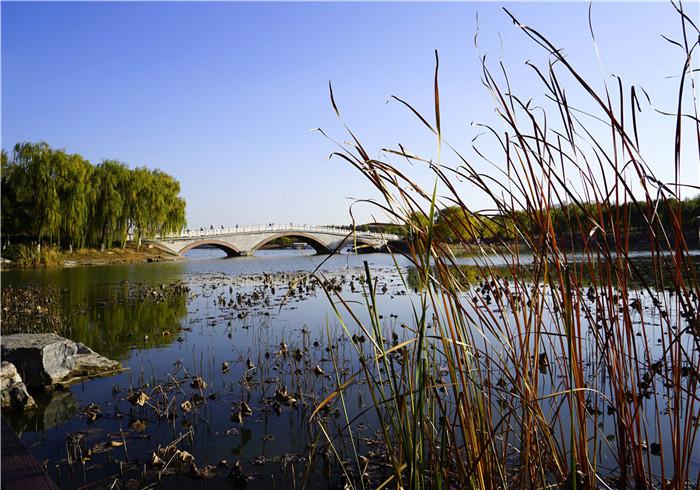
(171,207)
(74,186)
(155,207)
(53,195)
(110,181)
(36,188)
(141,197)
(14,216)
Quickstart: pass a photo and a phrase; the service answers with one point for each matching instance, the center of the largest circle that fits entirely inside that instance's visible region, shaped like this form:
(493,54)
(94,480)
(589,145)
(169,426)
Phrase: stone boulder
(46,359)
(87,362)
(13,392)
(41,358)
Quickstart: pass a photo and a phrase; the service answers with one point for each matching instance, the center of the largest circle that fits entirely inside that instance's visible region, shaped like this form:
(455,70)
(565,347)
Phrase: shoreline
(93,257)
(88,257)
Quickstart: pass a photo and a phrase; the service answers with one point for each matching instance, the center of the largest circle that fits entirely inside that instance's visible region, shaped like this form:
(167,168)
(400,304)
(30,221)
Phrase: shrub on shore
(33,257)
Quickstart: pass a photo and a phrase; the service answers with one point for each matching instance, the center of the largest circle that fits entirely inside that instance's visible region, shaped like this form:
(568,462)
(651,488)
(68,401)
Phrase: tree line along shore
(54,201)
(571,222)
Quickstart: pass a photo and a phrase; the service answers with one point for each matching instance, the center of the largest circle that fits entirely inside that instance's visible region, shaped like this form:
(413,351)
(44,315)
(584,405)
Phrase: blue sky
(223,95)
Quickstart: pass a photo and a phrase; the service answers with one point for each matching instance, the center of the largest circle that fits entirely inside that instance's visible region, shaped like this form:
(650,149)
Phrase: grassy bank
(48,256)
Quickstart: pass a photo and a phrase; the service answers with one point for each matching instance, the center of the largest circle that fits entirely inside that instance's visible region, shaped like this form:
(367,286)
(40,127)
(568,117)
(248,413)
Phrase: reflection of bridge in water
(245,240)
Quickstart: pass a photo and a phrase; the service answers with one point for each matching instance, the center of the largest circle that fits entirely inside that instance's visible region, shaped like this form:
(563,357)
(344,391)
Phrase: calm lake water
(194,334)
(278,335)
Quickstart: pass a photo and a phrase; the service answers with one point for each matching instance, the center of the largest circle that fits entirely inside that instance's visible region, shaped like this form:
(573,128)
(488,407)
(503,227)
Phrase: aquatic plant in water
(577,371)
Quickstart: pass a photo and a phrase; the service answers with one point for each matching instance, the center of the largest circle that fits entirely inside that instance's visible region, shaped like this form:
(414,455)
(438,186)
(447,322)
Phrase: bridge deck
(246,230)
(20,469)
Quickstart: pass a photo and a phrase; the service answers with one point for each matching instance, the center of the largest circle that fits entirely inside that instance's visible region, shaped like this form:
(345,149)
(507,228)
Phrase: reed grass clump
(563,365)
(34,257)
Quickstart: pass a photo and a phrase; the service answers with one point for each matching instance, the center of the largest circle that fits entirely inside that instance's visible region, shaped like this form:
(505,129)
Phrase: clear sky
(223,95)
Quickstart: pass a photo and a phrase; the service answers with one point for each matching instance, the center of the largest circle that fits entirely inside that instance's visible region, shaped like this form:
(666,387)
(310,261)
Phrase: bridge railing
(232,230)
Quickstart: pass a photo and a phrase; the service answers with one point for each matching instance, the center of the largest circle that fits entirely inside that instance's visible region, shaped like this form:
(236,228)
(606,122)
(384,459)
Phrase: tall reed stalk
(565,366)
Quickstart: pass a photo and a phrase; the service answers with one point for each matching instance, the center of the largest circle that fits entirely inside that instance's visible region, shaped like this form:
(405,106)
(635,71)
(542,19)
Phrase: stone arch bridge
(245,240)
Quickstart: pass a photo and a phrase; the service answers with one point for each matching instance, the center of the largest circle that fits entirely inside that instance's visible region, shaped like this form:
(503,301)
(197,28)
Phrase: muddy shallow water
(232,356)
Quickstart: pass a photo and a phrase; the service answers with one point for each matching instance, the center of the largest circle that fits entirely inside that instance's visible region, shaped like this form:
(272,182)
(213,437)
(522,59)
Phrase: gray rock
(46,359)
(41,358)
(13,392)
(91,364)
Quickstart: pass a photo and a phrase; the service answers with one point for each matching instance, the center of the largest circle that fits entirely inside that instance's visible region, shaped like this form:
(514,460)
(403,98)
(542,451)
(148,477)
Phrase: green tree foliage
(386,228)
(12,216)
(35,182)
(455,224)
(417,222)
(52,196)
(74,189)
(110,195)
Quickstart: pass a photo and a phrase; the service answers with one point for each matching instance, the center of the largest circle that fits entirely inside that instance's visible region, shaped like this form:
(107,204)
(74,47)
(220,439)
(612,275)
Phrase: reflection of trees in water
(108,319)
(109,309)
(468,274)
(113,329)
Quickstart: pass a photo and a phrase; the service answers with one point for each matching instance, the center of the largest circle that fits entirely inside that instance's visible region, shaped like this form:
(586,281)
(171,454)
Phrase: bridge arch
(230,250)
(309,239)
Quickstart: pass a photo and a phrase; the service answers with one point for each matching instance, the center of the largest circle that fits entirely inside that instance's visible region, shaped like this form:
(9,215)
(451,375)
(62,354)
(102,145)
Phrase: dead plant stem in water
(564,371)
